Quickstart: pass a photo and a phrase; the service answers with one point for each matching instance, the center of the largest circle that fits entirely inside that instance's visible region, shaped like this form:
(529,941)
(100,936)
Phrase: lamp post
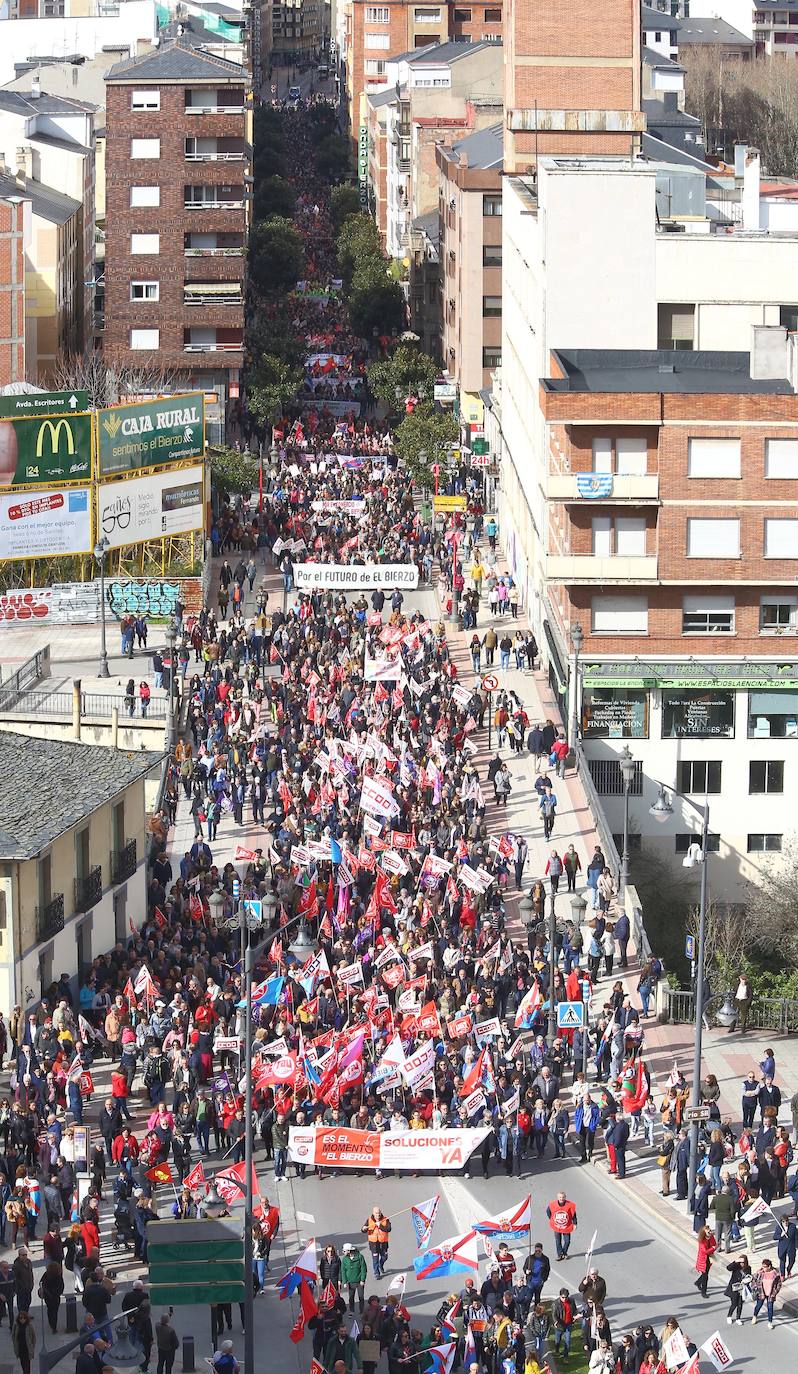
(455,612)
(171,642)
(578,909)
(661,810)
(577,639)
(627,766)
(552,970)
(100,550)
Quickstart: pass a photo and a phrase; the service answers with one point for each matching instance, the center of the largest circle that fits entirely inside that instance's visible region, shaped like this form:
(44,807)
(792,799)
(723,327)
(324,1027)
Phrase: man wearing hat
(353,1274)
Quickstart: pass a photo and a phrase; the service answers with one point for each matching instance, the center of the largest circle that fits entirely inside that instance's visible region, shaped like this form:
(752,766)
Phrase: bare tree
(752,102)
(107,382)
(727,941)
(772,908)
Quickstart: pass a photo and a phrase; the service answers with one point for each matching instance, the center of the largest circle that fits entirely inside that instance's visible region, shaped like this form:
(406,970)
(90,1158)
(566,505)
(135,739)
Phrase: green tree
(334,158)
(344,201)
(358,240)
(274,196)
(324,119)
(267,334)
(409,369)
(380,307)
(270,385)
(232,471)
(276,256)
(427,431)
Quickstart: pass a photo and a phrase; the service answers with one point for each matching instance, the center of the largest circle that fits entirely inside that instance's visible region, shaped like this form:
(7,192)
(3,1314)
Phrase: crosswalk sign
(570,1015)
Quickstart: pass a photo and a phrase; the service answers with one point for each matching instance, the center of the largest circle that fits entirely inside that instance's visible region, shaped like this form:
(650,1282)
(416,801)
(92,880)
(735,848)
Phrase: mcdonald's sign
(45,449)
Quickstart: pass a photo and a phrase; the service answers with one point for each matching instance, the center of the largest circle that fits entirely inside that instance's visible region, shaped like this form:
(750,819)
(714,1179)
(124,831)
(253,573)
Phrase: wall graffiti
(156,598)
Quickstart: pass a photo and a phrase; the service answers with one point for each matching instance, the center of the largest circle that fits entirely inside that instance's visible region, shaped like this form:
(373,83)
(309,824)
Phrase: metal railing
(608,779)
(213,252)
(89,890)
(765,1013)
(98,705)
(33,670)
(124,862)
(50,918)
(611,856)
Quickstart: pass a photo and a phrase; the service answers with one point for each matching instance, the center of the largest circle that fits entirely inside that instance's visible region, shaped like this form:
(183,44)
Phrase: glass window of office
(614,713)
(697,714)
(773,715)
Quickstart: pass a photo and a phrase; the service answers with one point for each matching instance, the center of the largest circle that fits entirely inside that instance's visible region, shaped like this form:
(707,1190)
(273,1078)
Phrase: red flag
(274,657)
(328,1294)
(329,900)
(307,902)
(196,1179)
(133,930)
(129,993)
(195,910)
(159,918)
(160,1173)
(307,1309)
(276,952)
(325,929)
(382,891)
(230,1182)
(428,1020)
(473,1078)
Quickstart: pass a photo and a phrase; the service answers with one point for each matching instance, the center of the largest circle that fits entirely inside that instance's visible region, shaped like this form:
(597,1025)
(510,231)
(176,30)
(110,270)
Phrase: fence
(766,1013)
(93,705)
(30,672)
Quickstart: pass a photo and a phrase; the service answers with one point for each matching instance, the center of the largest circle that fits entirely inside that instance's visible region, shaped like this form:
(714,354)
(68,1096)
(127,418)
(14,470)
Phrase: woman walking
(738,1288)
(767,1282)
(23,1339)
(707,1245)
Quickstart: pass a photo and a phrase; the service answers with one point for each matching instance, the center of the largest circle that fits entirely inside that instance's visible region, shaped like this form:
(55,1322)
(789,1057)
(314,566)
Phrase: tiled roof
(177,61)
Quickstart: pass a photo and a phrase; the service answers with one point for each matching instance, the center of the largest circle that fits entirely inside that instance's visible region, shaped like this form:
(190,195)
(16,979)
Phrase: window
(683,842)
(145,338)
(773,715)
(619,615)
(624,536)
(145,243)
(781,458)
(462,16)
(628,457)
(675,326)
(781,538)
(145,100)
(144,195)
(428,16)
(614,713)
(708,615)
(491,305)
(145,290)
(377,40)
(492,356)
(713,457)
(376,14)
(491,255)
(608,779)
(492,205)
(697,714)
(758,844)
(145,148)
(493,16)
(697,775)
(778,614)
(713,538)
(374,66)
(766,775)
(788,317)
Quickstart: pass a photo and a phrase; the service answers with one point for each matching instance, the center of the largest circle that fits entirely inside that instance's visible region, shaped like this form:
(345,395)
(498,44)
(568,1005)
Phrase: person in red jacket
(707,1245)
(562,1220)
(125,1149)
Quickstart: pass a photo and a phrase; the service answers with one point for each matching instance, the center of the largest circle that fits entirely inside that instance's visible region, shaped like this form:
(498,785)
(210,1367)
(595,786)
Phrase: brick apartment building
(178,194)
(12,290)
(376,33)
(573,86)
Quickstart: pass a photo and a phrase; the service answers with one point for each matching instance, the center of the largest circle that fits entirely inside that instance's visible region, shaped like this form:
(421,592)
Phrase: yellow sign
(444,503)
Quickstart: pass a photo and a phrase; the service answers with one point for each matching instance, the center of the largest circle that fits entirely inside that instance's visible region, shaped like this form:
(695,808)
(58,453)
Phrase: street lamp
(578,909)
(171,642)
(100,550)
(216,908)
(577,639)
(627,766)
(213,1205)
(661,809)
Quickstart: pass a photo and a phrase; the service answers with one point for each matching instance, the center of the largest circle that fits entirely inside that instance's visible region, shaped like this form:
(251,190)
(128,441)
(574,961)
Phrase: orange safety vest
(377,1230)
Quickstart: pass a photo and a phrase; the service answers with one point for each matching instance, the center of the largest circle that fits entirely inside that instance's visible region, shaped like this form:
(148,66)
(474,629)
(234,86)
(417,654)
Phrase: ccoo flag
(423,1216)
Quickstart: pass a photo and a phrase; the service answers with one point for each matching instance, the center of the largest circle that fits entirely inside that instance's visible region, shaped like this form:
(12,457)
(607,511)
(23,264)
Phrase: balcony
(124,863)
(565,486)
(202,102)
(213,245)
(212,293)
(50,918)
(580,567)
(213,198)
(212,341)
(89,890)
(216,150)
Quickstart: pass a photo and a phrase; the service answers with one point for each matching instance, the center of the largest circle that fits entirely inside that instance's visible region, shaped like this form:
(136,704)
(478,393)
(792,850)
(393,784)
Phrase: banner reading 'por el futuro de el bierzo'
(355,577)
(347,1149)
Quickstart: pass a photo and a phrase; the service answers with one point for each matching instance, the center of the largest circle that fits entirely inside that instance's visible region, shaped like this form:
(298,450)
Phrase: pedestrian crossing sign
(570,1015)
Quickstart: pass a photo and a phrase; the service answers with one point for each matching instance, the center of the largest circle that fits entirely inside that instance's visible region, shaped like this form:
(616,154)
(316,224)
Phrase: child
(560,1128)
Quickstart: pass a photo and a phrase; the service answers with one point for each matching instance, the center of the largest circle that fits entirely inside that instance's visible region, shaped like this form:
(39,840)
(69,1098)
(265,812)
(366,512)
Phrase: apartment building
(376,33)
(672,540)
(300,28)
(12,288)
(425,286)
(470,212)
(432,94)
(48,30)
(178,197)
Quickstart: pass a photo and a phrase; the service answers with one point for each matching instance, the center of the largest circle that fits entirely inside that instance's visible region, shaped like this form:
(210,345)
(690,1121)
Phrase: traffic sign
(436,469)
(570,1015)
(193,1262)
(490,682)
(253,911)
(34,403)
(445,503)
(697,1113)
(689,947)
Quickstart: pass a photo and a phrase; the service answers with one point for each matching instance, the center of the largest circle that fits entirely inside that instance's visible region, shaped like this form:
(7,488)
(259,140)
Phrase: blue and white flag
(423,1216)
(594,485)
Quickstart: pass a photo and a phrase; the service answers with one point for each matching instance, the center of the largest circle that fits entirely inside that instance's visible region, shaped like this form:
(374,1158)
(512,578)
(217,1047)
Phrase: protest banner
(413,1150)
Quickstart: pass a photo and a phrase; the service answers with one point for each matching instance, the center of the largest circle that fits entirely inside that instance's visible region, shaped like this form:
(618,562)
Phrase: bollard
(188,1354)
(71,1305)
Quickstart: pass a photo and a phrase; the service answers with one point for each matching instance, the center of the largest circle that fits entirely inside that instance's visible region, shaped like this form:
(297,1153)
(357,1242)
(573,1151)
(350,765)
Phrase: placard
(354,577)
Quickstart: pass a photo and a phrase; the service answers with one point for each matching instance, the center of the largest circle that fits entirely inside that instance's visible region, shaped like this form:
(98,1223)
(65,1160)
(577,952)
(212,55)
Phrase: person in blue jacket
(586,1119)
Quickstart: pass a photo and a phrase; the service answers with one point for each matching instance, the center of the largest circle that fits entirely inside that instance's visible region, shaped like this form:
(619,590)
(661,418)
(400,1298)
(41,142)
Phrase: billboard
(46,449)
(150,507)
(150,434)
(45,524)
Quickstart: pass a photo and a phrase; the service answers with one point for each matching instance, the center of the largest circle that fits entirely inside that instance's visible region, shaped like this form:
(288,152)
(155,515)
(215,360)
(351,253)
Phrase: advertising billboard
(46,449)
(150,434)
(45,524)
(150,507)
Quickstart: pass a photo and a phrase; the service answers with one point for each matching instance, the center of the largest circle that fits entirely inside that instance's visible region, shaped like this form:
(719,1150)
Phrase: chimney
(751,190)
(35,87)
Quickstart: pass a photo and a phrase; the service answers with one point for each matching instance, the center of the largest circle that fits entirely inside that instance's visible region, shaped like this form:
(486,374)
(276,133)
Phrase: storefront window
(697,714)
(614,713)
(773,715)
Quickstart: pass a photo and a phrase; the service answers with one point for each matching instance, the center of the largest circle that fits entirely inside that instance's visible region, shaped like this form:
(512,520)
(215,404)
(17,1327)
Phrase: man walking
(562,1220)
(166,1343)
(520,856)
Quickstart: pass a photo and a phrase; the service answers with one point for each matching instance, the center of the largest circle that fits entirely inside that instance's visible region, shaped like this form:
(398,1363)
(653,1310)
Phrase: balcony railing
(214,109)
(213,252)
(50,918)
(215,157)
(197,298)
(579,567)
(214,347)
(609,487)
(89,890)
(124,863)
(213,204)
